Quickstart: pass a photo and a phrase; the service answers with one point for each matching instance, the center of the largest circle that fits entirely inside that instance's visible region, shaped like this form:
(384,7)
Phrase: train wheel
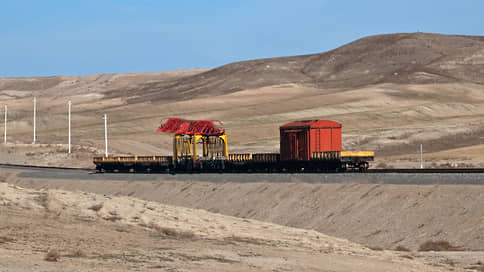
(363,167)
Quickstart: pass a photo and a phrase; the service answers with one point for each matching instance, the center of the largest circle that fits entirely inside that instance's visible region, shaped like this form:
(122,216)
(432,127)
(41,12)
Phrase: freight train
(201,146)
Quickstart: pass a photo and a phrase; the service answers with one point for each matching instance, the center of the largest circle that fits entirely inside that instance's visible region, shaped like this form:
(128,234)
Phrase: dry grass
(407,256)
(479,266)
(176,233)
(52,255)
(249,240)
(6,240)
(169,232)
(402,248)
(113,216)
(376,248)
(43,199)
(440,245)
(122,229)
(449,262)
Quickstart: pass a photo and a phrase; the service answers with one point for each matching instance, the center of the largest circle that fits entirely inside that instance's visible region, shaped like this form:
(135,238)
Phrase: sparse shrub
(96,207)
(479,266)
(6,240)
(176,233)
(43,199)
(407,256)
(249,240)
(52,256)
(376,248)
(169,232)
(77,253)
(122,229)
(449,262)
(440,245)
(401,248)
(113,216)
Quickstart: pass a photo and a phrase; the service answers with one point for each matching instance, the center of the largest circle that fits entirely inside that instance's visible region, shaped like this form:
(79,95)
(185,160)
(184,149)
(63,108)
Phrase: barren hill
(414,58)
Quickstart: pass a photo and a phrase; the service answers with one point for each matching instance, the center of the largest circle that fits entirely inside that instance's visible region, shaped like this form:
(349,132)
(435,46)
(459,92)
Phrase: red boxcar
(300,139)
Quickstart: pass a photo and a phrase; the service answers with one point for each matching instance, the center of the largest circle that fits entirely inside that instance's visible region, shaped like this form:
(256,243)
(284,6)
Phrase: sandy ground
(379,216)
(108,233)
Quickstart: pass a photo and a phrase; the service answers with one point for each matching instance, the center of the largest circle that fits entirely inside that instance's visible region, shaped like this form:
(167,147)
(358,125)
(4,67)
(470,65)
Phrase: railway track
(24,166)
(376,171)
(428,170)
(70,175)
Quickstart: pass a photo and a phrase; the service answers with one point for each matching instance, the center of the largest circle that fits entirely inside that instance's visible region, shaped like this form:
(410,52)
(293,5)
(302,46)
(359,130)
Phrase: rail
(10,165)
(369,171)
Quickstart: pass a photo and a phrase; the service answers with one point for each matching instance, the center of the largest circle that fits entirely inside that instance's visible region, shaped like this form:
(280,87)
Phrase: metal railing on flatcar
(256,157)
(164,159)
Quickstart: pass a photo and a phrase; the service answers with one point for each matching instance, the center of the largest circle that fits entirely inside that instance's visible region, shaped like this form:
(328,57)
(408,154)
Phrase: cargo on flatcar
(201,146)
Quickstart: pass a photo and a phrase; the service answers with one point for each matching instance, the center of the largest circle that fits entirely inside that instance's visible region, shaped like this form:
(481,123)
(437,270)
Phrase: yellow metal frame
(187,146)
(357,153)
(224,138)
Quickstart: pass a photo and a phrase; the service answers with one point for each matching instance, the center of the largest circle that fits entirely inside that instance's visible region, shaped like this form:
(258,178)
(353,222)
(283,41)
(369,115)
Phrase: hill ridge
(403,58)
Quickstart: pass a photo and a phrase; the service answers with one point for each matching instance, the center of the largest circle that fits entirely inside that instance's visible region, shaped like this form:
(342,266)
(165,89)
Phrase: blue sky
(46,38)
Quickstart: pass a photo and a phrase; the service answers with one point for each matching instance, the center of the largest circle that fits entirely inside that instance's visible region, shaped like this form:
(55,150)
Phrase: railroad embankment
(55,230)
(377,215)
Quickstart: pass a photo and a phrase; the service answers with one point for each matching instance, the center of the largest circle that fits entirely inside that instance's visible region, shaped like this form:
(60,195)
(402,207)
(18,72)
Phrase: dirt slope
(376,215)
(121,233)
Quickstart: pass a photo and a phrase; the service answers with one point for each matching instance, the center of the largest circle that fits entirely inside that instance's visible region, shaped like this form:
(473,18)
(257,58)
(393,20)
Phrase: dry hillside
(414,58)
(390,92)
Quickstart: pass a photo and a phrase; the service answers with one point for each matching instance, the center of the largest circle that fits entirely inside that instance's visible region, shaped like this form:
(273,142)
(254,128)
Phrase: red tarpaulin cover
(190,127)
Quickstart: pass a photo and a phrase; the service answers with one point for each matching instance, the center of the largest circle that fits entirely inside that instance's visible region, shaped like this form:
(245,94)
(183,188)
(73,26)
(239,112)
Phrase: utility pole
(5,130)
(421,156)
(35,113)
(69,126)
(106,134)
